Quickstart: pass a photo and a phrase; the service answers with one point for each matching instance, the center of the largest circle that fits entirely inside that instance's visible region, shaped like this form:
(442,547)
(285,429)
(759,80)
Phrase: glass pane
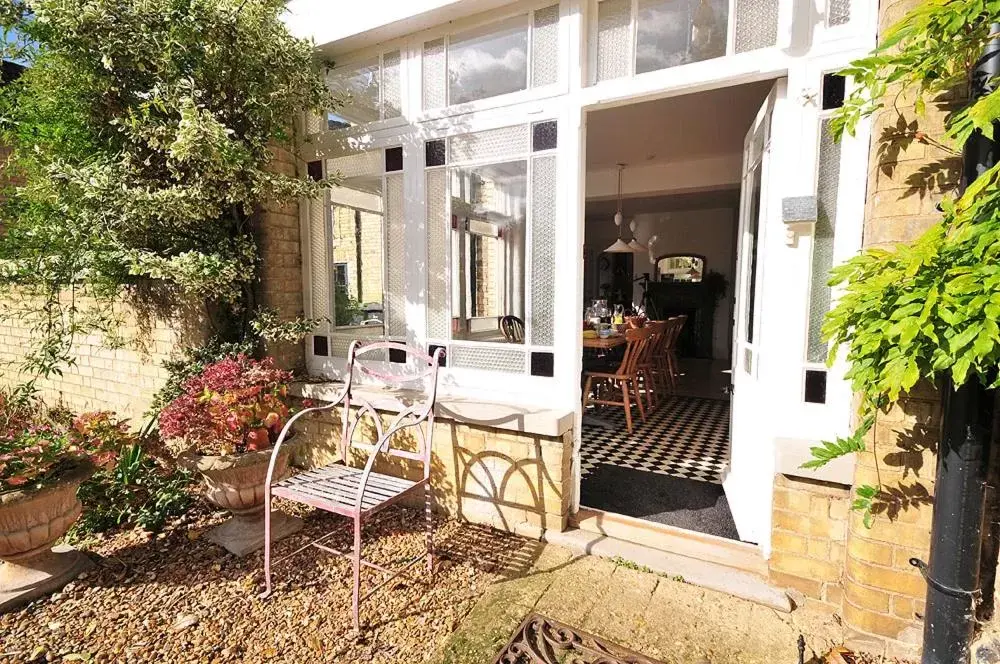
(488,249)
(614,44)
(392,91)
(756,24)
(545,47)
(433,77)
(681,268)
(827,190)
(357,252)
(487,65)
(676,32)
(361,82)
(838,12)
(750,247)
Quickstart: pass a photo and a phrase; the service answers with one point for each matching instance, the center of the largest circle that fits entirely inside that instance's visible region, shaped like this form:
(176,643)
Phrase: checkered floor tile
(684,437)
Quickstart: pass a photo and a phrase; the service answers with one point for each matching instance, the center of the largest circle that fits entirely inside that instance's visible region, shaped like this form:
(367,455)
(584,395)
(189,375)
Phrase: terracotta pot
(236,482)
(32,521)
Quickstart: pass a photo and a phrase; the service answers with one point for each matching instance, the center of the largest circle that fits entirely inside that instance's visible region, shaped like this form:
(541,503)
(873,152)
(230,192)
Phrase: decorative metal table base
(541,640)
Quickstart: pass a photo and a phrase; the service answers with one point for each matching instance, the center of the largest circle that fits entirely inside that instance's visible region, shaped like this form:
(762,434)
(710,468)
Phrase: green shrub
(137,491)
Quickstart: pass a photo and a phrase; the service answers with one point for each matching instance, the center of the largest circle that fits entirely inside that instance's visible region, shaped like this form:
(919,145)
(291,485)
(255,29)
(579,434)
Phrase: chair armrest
(283,436)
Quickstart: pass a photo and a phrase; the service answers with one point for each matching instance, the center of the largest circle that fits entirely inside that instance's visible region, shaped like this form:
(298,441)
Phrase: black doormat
(674,501)
(541,640)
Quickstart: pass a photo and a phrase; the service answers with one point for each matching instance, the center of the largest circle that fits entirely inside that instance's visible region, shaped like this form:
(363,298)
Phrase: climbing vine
(929,309)
(142,134)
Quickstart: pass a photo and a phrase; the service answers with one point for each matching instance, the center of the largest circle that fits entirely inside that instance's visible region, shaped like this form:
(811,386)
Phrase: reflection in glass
(488,206)
(358,255)
(681,268)
(676,32)
(487,65)
(361,82)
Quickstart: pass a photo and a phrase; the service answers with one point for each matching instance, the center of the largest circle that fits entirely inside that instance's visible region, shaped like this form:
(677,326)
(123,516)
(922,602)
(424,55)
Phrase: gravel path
(178,598)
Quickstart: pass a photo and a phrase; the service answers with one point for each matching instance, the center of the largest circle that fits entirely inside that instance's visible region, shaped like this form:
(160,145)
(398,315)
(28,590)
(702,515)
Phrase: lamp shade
(619,247)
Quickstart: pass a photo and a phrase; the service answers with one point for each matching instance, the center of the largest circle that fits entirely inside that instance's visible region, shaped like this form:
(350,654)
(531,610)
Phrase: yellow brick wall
(122,379)
(883,594)
(808,538)
(511,481)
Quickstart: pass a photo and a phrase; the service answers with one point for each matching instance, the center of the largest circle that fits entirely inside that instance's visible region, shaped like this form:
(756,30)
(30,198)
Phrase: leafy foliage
(235,405)
(142,133)
(137,491)
(35,453)
(927,309)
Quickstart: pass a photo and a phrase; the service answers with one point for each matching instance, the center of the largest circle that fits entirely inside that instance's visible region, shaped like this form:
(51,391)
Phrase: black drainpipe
(953,583)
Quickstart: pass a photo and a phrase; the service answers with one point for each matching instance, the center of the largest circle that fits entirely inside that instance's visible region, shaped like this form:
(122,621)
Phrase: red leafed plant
(234,406)
(36,449)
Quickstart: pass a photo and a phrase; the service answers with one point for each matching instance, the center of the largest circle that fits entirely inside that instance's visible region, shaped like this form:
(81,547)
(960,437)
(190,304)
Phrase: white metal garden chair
(356,492)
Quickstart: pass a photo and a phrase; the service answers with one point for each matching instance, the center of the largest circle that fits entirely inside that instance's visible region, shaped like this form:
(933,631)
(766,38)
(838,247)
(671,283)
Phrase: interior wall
(707,232)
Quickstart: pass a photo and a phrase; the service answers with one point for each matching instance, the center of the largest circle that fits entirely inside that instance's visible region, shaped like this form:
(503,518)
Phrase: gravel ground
(175,597)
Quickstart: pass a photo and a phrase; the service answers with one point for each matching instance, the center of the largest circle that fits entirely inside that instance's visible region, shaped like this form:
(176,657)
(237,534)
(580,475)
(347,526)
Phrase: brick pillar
(883,594)
(281,256)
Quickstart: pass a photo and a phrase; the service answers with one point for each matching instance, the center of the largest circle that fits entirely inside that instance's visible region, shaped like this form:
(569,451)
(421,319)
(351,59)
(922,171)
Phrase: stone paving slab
(658,616)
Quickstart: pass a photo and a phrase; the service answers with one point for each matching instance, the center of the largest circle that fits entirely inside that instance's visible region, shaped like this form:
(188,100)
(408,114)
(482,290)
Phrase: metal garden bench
(357,492)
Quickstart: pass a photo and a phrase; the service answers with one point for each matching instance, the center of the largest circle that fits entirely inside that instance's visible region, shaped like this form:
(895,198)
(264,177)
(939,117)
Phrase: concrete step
(713,576)
(718,550)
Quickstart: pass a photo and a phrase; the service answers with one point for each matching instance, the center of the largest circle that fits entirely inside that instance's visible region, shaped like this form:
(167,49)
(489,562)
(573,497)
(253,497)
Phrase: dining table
(606,343)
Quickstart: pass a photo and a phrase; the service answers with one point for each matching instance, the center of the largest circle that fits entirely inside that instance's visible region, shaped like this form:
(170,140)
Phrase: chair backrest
(512,328)
(636,347)
(417,405)
(674,331)
(661,330)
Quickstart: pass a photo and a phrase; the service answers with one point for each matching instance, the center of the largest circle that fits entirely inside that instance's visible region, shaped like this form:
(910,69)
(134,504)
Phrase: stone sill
(791,453)
(473,412)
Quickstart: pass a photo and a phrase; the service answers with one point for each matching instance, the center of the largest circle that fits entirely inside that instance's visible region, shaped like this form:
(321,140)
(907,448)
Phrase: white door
(743,483)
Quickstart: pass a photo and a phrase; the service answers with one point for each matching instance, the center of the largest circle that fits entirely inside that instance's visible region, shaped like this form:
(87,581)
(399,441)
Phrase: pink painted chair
(355,492)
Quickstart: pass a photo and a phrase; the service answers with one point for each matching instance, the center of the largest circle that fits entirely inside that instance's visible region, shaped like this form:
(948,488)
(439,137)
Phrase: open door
(742,483)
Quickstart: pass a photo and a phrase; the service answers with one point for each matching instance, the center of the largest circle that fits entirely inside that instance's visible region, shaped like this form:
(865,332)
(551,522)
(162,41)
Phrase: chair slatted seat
(359,492)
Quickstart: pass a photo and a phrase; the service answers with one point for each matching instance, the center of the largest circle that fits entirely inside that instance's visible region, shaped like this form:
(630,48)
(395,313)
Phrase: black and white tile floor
(684,437)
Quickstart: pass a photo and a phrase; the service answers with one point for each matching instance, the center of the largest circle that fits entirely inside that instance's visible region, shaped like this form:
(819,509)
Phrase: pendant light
(633,244)
(619,246)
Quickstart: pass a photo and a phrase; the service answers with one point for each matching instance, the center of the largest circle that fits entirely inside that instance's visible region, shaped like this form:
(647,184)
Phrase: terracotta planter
(30,523)
(236,483)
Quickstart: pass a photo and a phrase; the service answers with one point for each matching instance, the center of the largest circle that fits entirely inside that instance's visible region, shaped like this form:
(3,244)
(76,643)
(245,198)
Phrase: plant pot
(30,523)
(236,483)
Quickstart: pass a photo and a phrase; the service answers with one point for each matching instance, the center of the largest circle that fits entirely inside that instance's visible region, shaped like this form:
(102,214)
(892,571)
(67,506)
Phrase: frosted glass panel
(361,83)
(614,39)
(363,163)
(543,250)
(756,24)
(838,12)
(827,190)
(675,32)
(506,360)
(319,263)
(482,65)
(545,47)
(434,75)
(395,256)
(490,144)
(437,254)
(391,88)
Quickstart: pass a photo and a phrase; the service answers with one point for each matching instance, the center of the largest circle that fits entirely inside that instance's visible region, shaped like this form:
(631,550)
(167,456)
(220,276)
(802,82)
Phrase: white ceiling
(693,126)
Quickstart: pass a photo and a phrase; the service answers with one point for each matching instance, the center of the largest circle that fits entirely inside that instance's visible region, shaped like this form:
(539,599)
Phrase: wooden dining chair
(513,329)
(359,492)
(625,377)
(669,353)
(653,364)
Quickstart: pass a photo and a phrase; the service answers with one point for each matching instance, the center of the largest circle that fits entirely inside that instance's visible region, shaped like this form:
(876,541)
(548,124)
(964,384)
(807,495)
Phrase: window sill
(510,417)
